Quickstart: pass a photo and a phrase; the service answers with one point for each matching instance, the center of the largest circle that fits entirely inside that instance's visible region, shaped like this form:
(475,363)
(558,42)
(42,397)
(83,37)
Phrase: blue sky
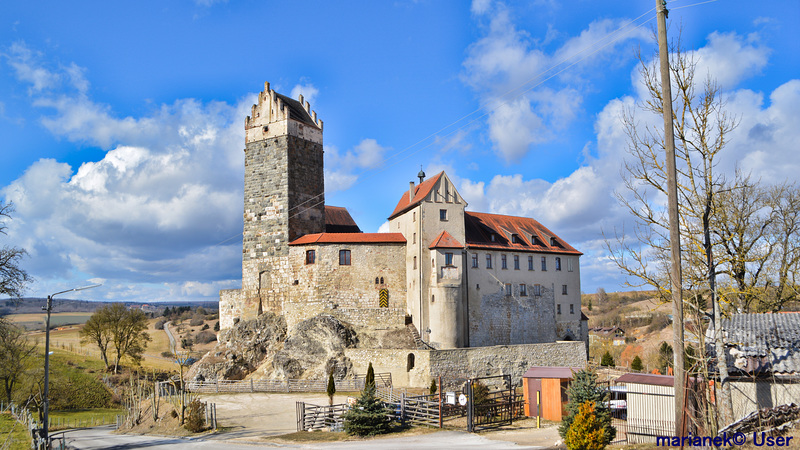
(122,124)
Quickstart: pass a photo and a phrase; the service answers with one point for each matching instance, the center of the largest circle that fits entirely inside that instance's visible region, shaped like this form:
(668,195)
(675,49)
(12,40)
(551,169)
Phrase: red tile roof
(445,240)
(532,236)
(339,220)
(350,238)
(420,192)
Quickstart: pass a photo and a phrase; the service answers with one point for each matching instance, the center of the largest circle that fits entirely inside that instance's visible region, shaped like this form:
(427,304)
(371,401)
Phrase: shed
(551,383)
(651,406)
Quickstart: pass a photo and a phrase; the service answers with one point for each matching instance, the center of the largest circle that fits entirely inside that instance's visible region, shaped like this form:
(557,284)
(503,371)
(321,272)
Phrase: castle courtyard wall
(456,366)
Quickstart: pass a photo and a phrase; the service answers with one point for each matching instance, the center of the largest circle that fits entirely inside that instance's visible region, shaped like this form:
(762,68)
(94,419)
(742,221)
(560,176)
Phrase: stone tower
(284,194)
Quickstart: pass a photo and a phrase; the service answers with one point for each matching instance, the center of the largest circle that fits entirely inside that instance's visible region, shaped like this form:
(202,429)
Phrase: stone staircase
(421,345)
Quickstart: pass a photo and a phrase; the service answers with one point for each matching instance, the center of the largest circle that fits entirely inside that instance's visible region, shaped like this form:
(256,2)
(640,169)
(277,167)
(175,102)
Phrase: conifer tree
(434,389)
(331,388)
(370,379)
(368,416)
(636,364)
(582,389)
(587,431)
(608,360)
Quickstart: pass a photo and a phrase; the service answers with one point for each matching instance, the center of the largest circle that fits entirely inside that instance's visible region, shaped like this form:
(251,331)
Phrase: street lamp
(46,400)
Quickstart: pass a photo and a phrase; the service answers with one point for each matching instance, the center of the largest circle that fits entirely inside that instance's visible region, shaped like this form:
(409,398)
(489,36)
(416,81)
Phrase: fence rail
(312,417)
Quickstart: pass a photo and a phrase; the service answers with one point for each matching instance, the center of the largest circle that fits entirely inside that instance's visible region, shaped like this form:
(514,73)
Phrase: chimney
(410,190)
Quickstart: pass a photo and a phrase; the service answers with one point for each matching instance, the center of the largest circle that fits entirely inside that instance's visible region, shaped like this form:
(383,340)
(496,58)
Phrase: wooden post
(440,402)
(538,409)
(672,206)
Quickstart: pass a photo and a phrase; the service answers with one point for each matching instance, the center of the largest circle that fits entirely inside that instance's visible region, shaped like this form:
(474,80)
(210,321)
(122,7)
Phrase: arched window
(410,362)
(381,280)
(376,280)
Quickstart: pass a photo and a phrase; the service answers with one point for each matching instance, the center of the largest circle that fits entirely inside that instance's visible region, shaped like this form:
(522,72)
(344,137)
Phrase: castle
(458,280)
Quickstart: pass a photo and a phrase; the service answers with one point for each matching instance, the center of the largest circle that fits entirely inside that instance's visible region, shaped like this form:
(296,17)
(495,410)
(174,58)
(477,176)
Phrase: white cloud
(730,58)
(343,170)
(308,90)
(152,210)
(505,66)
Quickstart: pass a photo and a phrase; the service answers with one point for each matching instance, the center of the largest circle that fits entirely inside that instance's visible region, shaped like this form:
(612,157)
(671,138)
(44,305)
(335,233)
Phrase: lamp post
(46,400)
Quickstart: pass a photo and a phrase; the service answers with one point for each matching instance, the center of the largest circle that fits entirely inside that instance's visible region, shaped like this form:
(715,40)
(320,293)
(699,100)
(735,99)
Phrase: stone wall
(455,366)
(500,319)
(353,290)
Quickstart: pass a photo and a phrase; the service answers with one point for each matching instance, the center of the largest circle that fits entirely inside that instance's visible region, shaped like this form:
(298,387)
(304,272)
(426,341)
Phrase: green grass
(60,420)
(13,433)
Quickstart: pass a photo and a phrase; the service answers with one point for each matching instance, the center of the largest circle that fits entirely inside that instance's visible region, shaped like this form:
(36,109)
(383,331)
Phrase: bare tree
(701,130)
(12,278)
(16,351)
(97,332)
(118,329)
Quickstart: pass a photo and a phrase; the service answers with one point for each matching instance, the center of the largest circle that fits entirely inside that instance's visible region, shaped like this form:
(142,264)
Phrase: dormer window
(493,237)
(515,239)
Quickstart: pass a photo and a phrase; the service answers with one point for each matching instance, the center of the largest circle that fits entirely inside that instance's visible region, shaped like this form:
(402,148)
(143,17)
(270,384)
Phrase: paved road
(103,438)
(172,345)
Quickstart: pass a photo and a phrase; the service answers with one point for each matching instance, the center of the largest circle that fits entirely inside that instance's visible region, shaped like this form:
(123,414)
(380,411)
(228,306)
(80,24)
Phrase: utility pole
(674,230)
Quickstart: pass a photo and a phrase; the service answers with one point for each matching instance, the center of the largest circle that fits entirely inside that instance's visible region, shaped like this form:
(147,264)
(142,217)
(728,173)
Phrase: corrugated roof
(445,240)
(531,236)
(339,220)
(763,342)
(350,238)
(563,373)
(646,378)
(420,192)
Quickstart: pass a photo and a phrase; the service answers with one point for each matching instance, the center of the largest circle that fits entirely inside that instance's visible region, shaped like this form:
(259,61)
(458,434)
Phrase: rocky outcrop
(241,349)
(314,348)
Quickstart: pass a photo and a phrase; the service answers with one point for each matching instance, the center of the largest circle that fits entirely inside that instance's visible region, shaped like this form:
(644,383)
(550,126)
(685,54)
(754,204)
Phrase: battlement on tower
(276,114)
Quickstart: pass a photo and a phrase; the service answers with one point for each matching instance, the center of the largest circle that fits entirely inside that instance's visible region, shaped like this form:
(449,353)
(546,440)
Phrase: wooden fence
(312,417)
(291,385)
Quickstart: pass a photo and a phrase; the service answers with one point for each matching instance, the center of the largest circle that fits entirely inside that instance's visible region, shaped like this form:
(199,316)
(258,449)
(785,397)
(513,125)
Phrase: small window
(311,256)
(443,215)
(410,362)
(344,257)
(448,259)
(503,262)
(571,308)
(488,261)
(516,262)
(537,290)
(493,237)
(415,262)
(474,260)
(558,264)
(382,280)
(558,309)
(508,289)
(377,280)
(433,298)
(569,264)
(433,262)
(563,289)
(414,239)
(478,286)
(523,290)
(515,239)
(544,264)
(414,216)
(530,262)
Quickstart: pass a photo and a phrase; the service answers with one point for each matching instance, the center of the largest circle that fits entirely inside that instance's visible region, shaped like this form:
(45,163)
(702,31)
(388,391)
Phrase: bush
(196,321)
(166,354)
(587,431)
(480,393)
(196,416)
(204,337)
(205,327)
(174,414)
(159,325)
(216,326)
(584,389)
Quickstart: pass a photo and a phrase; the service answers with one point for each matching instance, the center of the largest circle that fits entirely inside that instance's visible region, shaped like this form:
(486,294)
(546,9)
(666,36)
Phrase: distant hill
(34,305)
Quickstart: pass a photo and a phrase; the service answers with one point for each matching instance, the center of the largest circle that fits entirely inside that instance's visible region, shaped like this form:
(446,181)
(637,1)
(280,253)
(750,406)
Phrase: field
(18,438)
(35,321)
